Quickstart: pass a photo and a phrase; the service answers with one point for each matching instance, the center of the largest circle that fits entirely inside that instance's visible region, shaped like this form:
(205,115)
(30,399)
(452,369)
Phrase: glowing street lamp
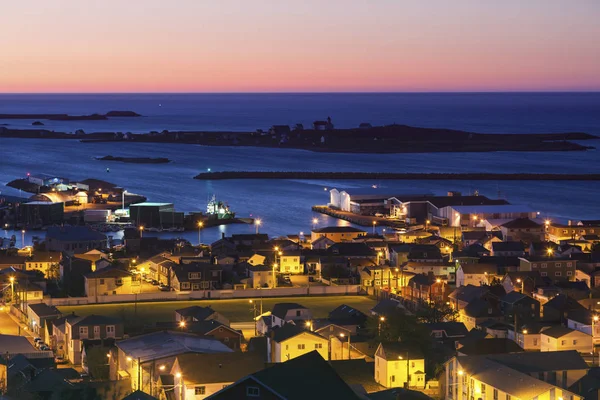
(374,225)
(23,238)
(549,251)
(257,223)
(12,288)
(141,232)
(427,225)
(182,324)
(315,221)
(200,225)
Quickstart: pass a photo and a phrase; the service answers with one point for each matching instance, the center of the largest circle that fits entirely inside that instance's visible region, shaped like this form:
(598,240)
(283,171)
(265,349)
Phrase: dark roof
(508,246)
(562,302)
(109,272)
(521,223)
(281,309)
(74,234)
(474,235)
(345,314)
(422,279)
(394,350)
(45,256)
(139,395)
(386,306)
(582,316)
(490,346)
(357,372)
(351,249)
(514,297)
(444,201)
(480,309)
(44,310)
(479,268)
(424,251)
(94,320)
(287,331)
(259,345)
(589,385)
(397,393)
(469,293)
(531,362)
(197,312)
(557,331)
(452,329)
(219,367)
(319,380)
(339,229)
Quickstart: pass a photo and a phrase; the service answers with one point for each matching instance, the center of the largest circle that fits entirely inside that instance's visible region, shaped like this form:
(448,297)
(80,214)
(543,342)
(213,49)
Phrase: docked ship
(219,210)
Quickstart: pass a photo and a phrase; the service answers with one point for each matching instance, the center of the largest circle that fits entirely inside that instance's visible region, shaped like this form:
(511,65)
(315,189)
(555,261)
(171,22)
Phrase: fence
(208,294)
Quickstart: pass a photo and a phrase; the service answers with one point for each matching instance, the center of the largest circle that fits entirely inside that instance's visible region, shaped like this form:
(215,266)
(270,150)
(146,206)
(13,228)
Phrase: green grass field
(238,310)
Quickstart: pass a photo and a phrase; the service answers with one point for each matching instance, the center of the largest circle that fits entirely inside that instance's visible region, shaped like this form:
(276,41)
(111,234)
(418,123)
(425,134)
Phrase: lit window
(301,347)
(199,390)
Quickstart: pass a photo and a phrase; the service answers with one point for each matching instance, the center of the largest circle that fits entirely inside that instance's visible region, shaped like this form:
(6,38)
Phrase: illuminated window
(199,390)
(301,347)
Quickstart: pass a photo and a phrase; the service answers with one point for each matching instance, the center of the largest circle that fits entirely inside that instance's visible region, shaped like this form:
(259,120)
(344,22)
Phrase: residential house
(157,267)
(38,314)
(561,232)
(224,333)
(261,276)
(319,382)
(523,229)
(556,269)
(197,313)
(448,331)
(519,307)
(290,341)
(426,289)
(289,262)
(523,375)
(109,281)
(197,276)
(352,250)
(337,234)
(143,359)
(321,243)
(558,308)
(528,336)
(348,318)
(475,274)
(477,312)
(508,249)
(46,262)
(585,321)
(560,338)
(399,365)
(12,261)
(285,312)
(55,335)
(218,371)
(74,239)
(91,327)
(486,346)
(464,295)
(442,270)
(542,248)
(522,281)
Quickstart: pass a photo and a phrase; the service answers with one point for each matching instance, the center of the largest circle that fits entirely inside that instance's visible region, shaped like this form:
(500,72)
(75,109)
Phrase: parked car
(155,282)
(37,341)
(44,347)
(164,288)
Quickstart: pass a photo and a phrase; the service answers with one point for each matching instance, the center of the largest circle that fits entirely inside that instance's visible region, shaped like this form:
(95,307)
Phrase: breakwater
(394,176)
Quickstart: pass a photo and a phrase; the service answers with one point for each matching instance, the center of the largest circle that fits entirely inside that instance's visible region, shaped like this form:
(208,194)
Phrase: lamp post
(200,225)
(594,322)
(178,376)
(23,238)
(407,370)
(182,324)
(381,321)
(254,313)
(427,225)
(374,225)
(141,232)
(315,221)
(274,281)
(342,335)
(257,223)
(123,201)
(549,252)
(12,288)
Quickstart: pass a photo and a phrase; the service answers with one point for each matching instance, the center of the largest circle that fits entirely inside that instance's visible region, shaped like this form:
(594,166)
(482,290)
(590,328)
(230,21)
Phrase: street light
(274,282)
(342,335)
(374,224)
(549,251)
(141,232)
(23,238)
(200,225)
(257,223)
(315,221)
(381,321)
(12,288)
(594,321)
(427,225)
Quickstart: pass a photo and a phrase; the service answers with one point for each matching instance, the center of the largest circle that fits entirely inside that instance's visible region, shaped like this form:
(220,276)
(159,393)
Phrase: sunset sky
(308,45)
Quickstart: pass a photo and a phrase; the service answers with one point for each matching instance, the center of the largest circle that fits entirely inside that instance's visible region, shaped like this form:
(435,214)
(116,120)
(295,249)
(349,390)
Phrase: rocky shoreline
(392,175)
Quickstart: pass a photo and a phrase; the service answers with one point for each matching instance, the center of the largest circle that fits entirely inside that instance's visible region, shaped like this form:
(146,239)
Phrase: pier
(362,220)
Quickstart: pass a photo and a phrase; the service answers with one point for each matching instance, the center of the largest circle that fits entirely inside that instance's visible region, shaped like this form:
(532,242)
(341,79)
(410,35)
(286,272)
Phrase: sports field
(237,310)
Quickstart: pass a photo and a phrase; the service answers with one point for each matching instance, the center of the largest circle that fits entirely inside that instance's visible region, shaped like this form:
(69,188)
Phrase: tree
(431,313)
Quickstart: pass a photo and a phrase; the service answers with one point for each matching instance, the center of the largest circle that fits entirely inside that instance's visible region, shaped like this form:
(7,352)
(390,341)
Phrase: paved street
(7,325)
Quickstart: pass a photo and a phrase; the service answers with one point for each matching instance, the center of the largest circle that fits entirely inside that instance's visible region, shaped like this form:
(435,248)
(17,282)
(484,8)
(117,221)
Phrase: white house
(559,338)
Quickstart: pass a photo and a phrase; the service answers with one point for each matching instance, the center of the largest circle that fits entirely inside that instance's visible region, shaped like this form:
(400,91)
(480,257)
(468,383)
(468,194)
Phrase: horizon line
(591,91)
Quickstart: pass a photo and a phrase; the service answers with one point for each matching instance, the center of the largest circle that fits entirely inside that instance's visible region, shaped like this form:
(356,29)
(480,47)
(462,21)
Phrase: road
(7,325)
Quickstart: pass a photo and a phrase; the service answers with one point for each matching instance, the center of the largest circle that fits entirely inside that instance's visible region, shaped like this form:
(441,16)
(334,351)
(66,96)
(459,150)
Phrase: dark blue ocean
(284,206)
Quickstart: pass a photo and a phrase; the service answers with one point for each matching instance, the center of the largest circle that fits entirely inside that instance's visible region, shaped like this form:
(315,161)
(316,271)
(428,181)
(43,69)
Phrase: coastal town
(455,296)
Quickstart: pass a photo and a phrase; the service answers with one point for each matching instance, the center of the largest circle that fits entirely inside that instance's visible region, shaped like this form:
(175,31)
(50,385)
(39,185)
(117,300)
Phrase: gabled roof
(94,320)
(319,380)
(218,367)
(281,309)
(197,312)
(530,362)
(514,297)
(288,331)
(395,350)
(468,293)
(346,314)
(351,249)
(479,269)
(508,246)
(481,309)
(139,395)
(557,331)
(43,310)
(452,329)
(522,223)
(109,272)
(490,346)
(562,302)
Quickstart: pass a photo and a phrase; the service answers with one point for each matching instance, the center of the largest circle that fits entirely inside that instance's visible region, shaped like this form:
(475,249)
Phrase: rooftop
(492,209)
(219,367)
(163,344)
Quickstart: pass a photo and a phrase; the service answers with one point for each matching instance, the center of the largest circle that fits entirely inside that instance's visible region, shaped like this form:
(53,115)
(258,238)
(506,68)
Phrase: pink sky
(309,45)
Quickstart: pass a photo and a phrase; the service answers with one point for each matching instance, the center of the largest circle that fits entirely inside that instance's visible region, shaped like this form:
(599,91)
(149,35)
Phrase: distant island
(324,138)
(66,117)
(136,160)
(393,175)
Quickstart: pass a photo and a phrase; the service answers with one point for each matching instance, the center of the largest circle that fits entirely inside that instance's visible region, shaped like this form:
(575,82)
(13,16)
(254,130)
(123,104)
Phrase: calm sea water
(284,206)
